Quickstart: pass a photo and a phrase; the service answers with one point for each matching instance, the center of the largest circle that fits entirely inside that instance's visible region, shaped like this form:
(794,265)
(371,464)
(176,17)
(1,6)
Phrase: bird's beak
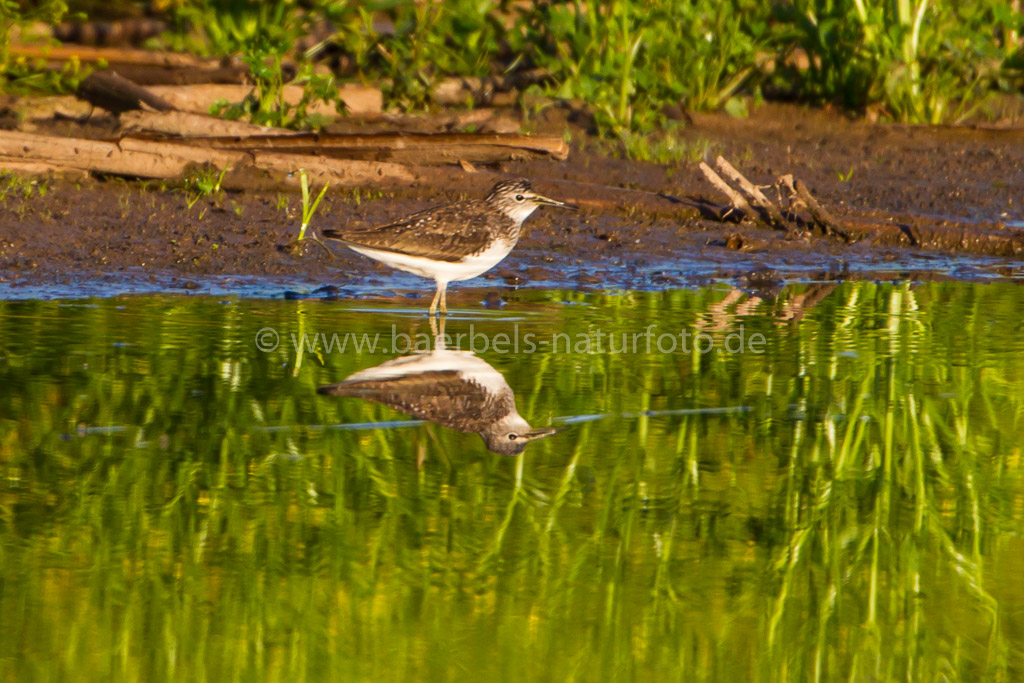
(541,199)
(540,433)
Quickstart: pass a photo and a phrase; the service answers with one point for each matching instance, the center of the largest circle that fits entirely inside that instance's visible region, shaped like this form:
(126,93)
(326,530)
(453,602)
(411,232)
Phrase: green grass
(669,147)
(309,205)
(17,185)
(204,181)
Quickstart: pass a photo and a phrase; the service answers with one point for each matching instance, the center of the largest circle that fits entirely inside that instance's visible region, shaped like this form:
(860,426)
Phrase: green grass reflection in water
(176,504)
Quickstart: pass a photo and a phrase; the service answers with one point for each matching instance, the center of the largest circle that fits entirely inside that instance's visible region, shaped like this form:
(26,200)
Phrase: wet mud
(944,191)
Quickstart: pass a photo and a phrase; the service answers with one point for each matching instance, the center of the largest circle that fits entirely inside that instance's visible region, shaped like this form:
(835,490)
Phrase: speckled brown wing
(438,396)
(446,233)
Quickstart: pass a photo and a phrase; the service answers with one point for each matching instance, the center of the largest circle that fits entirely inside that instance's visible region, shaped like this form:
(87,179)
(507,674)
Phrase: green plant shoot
(308,209)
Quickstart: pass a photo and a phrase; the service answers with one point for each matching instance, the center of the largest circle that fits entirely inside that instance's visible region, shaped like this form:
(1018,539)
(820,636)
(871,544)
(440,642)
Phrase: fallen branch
(825,220)
(110,55)
(738,203)
(67,106)
(774,215)
(199,99)
(110,91)
(144,74)
(147,159)
(187,125)
(428,149)
(770,213)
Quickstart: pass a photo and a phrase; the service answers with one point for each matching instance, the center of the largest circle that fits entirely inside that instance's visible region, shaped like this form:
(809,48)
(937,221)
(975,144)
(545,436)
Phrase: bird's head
(513,441)
(517,200)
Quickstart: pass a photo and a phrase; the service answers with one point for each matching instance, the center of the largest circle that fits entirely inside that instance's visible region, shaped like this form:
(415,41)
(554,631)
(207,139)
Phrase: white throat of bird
(518,211)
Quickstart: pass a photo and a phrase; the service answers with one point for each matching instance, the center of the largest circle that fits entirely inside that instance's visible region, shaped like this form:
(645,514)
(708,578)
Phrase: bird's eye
(519,197)
(513,437)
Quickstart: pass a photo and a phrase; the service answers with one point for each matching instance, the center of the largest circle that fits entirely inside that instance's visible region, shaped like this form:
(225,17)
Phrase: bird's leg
(443,289)
(433,304)
(439,338)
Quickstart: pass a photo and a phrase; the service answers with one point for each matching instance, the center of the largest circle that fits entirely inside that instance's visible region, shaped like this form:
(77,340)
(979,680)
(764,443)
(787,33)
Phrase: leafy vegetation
(921,60)
(916,60)
(264,35)
(629,59)
(19,74)
(911,60)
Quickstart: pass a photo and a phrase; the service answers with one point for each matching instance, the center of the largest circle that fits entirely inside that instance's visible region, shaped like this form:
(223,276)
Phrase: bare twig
(735,198)
(756,196)
(828,223)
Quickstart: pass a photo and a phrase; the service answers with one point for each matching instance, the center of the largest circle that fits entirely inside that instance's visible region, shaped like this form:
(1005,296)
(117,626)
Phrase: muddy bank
(96,236)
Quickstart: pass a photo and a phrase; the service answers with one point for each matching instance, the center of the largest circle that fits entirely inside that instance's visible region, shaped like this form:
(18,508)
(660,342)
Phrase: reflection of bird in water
(455,389)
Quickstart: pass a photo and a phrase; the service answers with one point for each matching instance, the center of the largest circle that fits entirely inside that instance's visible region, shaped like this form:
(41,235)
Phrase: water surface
(838,494)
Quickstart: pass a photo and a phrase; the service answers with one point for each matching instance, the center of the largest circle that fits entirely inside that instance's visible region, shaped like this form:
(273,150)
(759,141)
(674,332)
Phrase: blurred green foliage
(263,35)
(926,61)
(923,61)
(629,59)
(18,74)
(176,505)
(920,61)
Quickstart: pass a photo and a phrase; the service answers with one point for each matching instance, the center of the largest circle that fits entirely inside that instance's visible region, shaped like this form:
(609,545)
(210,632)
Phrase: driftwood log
(148,159)
(56,55)
(358,100)
(198,99)
(186,125)
(427,149)
(423,148)
(138,157)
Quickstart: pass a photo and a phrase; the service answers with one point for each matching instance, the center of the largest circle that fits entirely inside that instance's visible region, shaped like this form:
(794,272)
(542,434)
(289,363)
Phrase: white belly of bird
(441,271)
(469,366)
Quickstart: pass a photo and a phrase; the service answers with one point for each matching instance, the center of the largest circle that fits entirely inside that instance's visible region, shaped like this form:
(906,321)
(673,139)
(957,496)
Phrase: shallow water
(835,490)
